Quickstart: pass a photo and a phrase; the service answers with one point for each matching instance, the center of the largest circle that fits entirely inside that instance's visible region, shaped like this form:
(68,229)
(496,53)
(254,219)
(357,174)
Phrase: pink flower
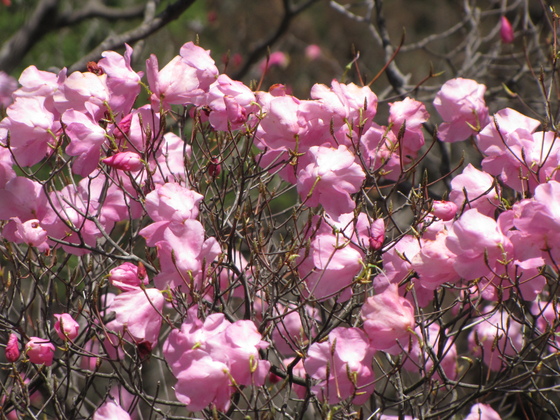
(460,102)
(387,318)
(482,412)
(231,103)
(138,315)
(342,366)
(66,327)
(8,85)
(30,233)
(444,210)
(313,52)
(39,351)
(496,338)
(276,59)
(110,410)
(474,189)
(506,31)
(12,348)
(128,277)
(125,161)
(329,179)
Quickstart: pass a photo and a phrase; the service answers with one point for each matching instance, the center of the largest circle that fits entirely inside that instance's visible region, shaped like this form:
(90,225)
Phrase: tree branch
(145,29)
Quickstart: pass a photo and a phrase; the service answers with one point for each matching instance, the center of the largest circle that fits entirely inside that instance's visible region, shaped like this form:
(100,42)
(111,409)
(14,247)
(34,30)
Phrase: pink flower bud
(214,167)
(124,161)
(66,327)
(445,210)
(506,31)
(313,52)
(377,235)
(128,277)
(12,348)
(39,351)
(123,127)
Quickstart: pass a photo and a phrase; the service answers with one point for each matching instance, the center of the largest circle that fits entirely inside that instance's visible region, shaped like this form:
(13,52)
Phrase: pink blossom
(387,318)
(12,348)
(127,277)
(474,189)
(479,244)
(200,59)
(289,334)
(125,161)
(299,371)
(313,52)
(39,351)
(86,140)
(276,59)
(482,412)
(496,338)
(122,81)
(110,410)
(203,381)
(32,130)
(66,327)
(8,85)
(506,31)
(29,232)
(329,179)
(341,366)
(334,257)
(231,103)
(184,254)
(460,102)
(444,210)
(138,315)
(521,157)
(83,93)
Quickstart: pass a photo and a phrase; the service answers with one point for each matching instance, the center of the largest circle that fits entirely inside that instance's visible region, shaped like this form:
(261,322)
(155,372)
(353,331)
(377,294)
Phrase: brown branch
(48,18)
(145,29)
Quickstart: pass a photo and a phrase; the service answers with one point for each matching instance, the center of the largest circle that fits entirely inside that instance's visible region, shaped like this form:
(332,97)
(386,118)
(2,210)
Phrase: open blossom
(460,102)
(206,356)
(341,366)
(111,410)
(329,179)
(66,327)
(387,318)
(8,85)
(482,412)
(40,351)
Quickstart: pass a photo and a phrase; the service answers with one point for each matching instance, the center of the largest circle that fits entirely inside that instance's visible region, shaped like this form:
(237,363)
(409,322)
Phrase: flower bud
(12,348)
(66,327)
(445,210)
(128,277)
(39,351)
(124,161)
(506,31)
(214,167)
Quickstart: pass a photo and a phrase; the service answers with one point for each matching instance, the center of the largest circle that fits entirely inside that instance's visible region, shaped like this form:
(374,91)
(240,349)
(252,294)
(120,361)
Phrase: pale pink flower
(460,102)
(444,210)
(66,327)
(313,52)
(341,366)
(110,410)
(475,189)
(387,318)
(128,277)
(8,85)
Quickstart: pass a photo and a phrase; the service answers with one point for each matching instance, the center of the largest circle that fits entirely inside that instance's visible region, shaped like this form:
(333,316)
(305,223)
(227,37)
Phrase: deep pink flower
(12,348)
(506,31)
(66,327)
(39,351)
